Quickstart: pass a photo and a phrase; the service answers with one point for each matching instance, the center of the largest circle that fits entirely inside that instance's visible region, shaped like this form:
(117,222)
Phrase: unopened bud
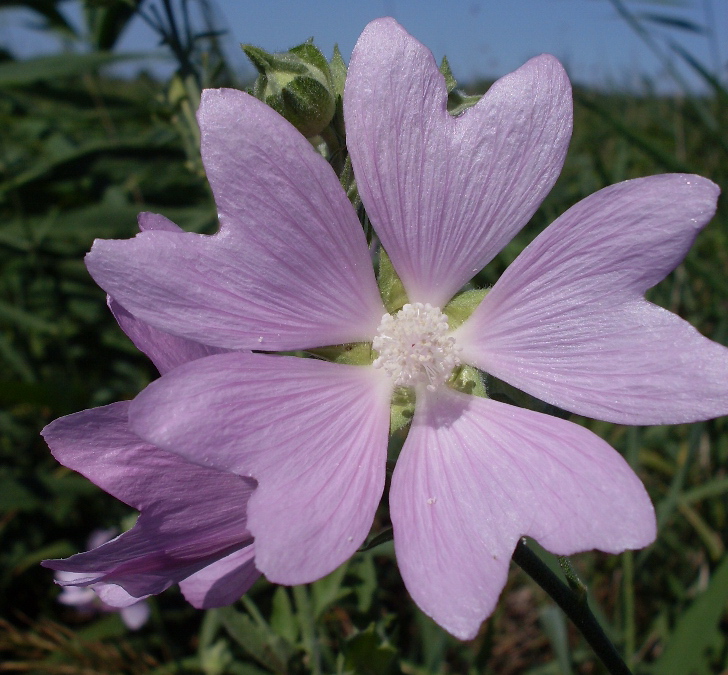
(298,84)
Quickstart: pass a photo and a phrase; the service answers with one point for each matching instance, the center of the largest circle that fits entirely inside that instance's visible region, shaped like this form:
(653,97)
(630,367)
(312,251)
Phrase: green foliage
(81,154)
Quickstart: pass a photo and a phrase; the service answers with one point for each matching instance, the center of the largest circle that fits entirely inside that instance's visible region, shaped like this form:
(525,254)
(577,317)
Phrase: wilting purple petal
(191,515)
(313,434)
(290,266)
(475,475)
(222,582)
(164,350)
(446,194)
(568,324)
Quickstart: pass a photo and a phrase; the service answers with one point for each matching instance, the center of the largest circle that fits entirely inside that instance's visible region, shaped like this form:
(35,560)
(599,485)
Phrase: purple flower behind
(290,269)
(192,527)
(86,600)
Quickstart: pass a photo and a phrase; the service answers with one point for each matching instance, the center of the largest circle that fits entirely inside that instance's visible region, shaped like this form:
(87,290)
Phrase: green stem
(308,627)
(628,591)
(577,610)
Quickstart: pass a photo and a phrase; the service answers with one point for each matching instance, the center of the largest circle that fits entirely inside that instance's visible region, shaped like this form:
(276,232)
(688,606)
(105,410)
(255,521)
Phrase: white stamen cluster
(414,347)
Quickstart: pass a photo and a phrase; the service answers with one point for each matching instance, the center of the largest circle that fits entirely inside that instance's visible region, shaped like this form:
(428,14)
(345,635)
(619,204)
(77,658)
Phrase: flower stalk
(574,606)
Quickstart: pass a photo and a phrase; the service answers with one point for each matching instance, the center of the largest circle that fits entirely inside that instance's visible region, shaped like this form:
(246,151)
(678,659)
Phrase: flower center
(414,347)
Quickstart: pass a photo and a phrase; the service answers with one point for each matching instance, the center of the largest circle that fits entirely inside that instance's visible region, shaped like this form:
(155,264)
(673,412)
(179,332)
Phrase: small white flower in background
(89,600)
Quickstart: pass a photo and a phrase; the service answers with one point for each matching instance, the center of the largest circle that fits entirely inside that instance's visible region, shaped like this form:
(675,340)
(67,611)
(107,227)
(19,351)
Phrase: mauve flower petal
(568,324)
(445,194)
(289,267)
(223,582)
(113,595)
(164,350)
(154,221)
(475,475)
(313,434)
(74,596)
(191,515)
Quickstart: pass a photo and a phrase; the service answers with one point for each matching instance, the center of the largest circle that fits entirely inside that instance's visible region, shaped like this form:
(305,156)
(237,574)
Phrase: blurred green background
(81,153)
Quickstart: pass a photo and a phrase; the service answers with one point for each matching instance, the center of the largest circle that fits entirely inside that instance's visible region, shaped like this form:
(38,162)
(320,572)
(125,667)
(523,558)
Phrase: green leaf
(25,320)
(283,619)
(146,145)
(687,648)
(47,9)
(48,68)
(107,20)
(58,549)
(269,649)
(325,592)
(215,659)
(383,537)
(14,496)
(367,654)
(362,567)
(650,148)
(554,625)
(699,68)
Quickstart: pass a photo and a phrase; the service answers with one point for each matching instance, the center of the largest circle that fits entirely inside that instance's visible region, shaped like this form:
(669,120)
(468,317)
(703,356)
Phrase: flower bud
(297,84)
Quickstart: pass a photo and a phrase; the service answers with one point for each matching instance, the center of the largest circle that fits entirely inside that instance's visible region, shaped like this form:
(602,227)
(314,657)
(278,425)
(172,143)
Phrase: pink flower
(290,269)
(192,528)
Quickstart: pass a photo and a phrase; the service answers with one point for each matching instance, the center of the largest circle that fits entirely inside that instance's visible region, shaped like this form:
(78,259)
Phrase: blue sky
(480,37)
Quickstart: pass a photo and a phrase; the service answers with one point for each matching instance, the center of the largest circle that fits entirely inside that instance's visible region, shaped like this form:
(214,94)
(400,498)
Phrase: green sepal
(298,84)
(458,102)
(507,393)
(310,54)
(390,285)
(450,81)
(337,67)
(351,354)
(468,380)
(402,409)
(307,105)
(462,306)
(348,182)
